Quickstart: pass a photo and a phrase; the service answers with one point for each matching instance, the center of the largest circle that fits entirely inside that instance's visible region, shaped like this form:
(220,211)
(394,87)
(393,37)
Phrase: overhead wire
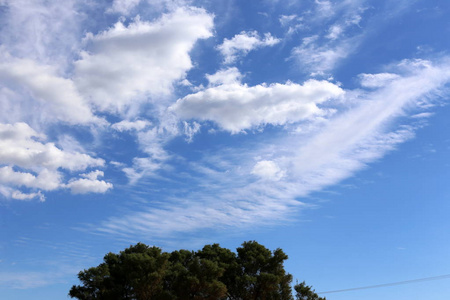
(447,276)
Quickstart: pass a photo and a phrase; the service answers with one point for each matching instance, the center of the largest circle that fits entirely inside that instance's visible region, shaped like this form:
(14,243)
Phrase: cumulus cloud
(28,162)
(93,175)
(268,169)
(57,97)
(126,63)
(46,180)
(243,43)
(89,184)
(236,107)
(18,195)
(225,76)
(19,147)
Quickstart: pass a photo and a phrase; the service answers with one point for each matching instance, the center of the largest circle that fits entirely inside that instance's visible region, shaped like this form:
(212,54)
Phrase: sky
(315,126)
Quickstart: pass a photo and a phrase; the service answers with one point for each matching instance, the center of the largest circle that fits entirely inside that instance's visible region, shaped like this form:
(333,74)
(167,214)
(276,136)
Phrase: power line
(389,284)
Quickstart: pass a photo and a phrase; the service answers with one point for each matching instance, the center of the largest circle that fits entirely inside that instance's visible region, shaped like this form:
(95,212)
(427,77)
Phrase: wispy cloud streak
(232,196)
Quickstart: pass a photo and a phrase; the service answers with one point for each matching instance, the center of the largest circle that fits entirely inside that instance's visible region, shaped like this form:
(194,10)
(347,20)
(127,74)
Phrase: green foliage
(141,272)
(262,275)
(304,292)
(192,277)
(137,272)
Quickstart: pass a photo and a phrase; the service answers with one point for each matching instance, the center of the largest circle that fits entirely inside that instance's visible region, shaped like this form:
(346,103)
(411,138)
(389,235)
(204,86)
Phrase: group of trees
(141,272)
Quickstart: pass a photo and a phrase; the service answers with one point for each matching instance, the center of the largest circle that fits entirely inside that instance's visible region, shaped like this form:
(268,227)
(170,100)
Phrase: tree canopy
(304,292)
(141,272)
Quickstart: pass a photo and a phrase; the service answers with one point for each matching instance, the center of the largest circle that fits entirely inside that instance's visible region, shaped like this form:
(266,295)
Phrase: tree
(141,272)
(304,292)
(193,277)
(262,275)
(136,273)
(226,260)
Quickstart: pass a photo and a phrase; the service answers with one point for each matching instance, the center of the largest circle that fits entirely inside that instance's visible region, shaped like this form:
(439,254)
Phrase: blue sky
(320,127)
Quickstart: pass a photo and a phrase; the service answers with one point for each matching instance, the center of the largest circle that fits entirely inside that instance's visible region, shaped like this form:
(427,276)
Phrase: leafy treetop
(141,272)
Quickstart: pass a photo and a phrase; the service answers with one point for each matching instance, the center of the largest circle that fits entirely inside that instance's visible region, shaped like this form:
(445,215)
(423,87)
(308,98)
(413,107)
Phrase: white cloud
(50,273)
(356,137)
(190,130)
(225,196)
(69,144)
(30,163)
(139,60)
(346,11)
(335,31)
(236,107)
(243,43)
(267,169)
(286,20)
(377,80)
(292,22)
(320,59)
(126,7)
(25,280)
(18,195)
(46,32)
(322,51)
(169,221)
(93,175)
(19,147)
(126,63)
(221,198)
(123,6)
(45,180)
(422,115)
(57,97)
(152,142)
(89,184)
(325,8)
(142,166)
(225,76)
(131,125)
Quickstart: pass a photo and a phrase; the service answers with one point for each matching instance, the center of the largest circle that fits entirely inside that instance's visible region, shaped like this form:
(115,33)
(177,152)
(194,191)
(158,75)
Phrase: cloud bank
(139,101)
(262,183)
